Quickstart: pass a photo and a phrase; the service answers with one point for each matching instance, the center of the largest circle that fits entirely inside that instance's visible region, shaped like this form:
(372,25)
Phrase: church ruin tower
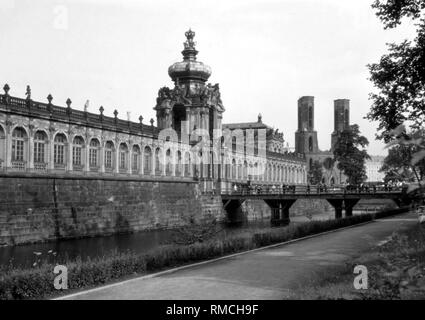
(191,104)
(341,118)
(306,136)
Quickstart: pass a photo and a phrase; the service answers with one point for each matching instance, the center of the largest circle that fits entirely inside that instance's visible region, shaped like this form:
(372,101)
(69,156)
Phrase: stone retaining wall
(39,209)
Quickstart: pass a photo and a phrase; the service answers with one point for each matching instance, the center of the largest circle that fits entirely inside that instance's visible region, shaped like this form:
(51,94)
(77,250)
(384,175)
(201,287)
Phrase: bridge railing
(309,189)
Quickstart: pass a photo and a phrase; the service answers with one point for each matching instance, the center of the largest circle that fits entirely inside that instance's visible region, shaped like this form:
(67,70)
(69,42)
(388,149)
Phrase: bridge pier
(280,211)
(349,204)
(337,204)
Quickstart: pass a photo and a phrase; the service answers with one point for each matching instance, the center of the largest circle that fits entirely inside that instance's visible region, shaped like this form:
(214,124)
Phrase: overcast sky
(265,55)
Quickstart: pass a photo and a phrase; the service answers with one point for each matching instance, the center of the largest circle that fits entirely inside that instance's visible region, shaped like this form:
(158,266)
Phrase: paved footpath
(263,274)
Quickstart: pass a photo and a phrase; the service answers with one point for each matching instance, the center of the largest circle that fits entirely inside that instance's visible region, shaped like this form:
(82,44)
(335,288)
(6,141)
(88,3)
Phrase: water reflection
(140,242)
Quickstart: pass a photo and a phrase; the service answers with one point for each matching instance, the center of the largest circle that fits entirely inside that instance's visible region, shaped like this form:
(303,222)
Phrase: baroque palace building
(38,138)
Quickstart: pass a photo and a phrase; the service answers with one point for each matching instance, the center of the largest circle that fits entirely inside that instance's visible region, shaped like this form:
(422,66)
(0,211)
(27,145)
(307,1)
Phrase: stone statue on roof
(28,93)
(180,94)
(216,97)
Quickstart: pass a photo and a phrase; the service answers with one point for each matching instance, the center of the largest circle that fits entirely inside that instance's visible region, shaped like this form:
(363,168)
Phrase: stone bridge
(281,199)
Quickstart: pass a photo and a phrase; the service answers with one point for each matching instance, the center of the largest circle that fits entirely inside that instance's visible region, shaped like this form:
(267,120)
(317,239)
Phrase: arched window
(19,140)
(239,171)
(227,168)
(311,163)
(271,172)
(40,142)
(179,167)
(77,153)
(109,156)
(233,169)
(158,162)
(310,117)
(2,146)
(234,144)
(123,156)
(94,154)
(347,118)
(147,160)
(267,172)
(245,171)
(135,159)
(59,151)
(310,144)
(187,165)
(169,163)
(211,165)
(256,143)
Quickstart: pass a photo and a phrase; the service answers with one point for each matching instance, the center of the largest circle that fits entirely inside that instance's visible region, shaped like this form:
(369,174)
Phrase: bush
(387,213)
(37,282)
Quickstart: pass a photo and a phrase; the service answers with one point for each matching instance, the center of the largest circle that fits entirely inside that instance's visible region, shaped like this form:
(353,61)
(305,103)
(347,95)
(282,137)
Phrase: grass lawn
(396,270)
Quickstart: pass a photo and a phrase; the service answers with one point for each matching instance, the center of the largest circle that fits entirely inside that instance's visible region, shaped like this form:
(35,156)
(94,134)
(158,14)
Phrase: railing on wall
(94,169)
(19,165)
(260,189)
(48,110)
(40,166)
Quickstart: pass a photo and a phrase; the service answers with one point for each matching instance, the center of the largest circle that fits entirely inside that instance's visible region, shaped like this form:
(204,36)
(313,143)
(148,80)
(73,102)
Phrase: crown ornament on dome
(189,52)
(189,43)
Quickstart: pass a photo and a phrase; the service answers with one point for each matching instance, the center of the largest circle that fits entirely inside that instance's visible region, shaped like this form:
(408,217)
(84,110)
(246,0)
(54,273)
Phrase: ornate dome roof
(189,68)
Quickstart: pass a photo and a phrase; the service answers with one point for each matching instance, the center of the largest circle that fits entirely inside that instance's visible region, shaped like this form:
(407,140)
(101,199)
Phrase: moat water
(62,250)
(140,242)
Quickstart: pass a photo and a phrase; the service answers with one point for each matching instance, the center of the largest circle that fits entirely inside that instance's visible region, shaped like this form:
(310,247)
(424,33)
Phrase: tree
(397,164)
(400,74)
(406,156)
(315,173)
(350,158)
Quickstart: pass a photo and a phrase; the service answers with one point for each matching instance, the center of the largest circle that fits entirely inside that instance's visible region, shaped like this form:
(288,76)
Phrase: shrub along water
(38,282)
